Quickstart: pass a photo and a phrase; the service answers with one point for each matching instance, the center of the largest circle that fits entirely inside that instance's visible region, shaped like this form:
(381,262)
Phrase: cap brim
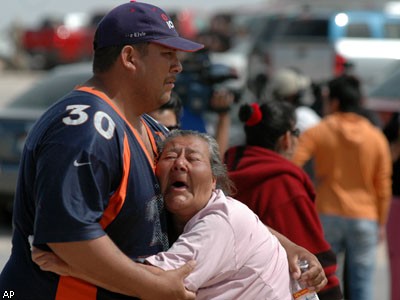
(179,43)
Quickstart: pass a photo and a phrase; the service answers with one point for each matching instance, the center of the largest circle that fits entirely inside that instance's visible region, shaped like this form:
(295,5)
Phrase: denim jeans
(358,240)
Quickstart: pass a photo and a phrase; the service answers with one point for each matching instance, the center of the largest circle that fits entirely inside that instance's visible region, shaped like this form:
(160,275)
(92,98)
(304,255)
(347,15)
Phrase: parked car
(19,114)
(322,44)
(60,41)
(385,98)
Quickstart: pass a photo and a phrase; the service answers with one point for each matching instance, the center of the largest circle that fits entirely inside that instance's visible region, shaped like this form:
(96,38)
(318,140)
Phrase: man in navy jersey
(87,189)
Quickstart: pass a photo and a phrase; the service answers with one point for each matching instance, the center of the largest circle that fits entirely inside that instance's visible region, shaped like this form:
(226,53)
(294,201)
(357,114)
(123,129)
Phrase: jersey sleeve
(210,242)
(77,166)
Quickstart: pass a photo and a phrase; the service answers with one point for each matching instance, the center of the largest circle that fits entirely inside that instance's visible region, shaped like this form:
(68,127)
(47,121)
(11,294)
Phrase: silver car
(385,98)
(18,116)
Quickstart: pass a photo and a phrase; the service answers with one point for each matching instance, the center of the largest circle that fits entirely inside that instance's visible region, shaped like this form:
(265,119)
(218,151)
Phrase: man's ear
(129,56)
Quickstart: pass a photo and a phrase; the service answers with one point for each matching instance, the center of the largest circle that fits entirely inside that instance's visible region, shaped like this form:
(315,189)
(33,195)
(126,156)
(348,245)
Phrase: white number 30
(77,116)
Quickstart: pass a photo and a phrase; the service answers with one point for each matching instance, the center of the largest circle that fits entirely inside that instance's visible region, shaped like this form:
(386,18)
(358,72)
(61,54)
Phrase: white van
(322,45)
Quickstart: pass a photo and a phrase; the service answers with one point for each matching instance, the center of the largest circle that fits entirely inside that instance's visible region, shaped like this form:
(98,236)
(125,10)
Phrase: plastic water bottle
(299,290)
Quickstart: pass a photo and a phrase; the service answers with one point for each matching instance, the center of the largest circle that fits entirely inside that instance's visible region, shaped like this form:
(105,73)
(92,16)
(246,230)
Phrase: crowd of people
(118,198)
(352,165)
(351,156)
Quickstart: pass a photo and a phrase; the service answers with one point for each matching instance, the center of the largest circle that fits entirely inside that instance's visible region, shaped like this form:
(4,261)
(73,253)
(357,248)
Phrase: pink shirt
(236,256)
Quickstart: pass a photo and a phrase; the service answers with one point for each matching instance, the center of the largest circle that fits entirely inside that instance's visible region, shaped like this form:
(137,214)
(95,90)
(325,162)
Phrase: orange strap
(103,96)
(70,288)
(118,198)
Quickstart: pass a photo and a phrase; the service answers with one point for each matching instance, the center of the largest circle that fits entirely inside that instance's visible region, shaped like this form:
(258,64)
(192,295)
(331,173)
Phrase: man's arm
(315,277)
(221,102)
(100,262)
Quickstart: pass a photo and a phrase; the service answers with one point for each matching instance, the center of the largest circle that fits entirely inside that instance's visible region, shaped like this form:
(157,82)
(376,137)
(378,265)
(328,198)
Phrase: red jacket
(282,195)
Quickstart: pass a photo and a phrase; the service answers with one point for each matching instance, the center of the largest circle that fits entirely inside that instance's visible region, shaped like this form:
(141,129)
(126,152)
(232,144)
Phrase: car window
(315,28)
(389,88)
(392,30)
(96,18)
(293,28)
(48,90)
(270,28)
(360,30)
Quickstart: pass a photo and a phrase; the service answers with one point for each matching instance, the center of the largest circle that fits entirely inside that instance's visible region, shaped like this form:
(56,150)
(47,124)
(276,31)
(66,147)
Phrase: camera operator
(170,115)
(206,101)
(221,102)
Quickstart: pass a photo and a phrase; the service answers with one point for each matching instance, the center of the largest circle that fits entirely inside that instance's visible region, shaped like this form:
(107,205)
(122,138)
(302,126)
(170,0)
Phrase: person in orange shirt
(353,181)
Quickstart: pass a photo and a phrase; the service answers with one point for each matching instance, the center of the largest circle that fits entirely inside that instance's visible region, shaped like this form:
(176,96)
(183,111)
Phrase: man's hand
(168,283)
(221,101)
(48,261)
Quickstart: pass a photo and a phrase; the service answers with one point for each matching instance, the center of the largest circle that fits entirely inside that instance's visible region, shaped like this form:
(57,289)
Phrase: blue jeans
(358,240)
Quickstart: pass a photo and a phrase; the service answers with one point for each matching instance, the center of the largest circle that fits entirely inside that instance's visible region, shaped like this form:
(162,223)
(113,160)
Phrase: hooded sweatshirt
(352,166)
(282,195)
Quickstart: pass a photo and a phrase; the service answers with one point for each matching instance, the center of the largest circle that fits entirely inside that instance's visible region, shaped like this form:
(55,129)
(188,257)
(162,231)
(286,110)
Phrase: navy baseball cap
(137,22)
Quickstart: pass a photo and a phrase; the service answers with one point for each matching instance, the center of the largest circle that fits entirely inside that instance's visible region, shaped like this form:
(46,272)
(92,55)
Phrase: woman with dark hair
(278,191)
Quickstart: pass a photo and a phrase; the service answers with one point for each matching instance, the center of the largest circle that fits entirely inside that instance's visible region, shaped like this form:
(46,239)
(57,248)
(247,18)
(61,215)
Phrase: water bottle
(299,290)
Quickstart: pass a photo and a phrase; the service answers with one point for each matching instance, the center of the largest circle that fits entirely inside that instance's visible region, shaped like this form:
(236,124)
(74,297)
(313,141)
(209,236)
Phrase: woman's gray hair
(218,169)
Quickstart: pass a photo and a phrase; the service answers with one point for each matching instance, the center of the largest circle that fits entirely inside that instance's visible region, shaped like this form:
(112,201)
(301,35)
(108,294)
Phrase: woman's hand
(314,277)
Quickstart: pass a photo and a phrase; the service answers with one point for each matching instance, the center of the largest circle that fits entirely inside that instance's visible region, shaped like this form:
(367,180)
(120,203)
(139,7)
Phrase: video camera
(197,82)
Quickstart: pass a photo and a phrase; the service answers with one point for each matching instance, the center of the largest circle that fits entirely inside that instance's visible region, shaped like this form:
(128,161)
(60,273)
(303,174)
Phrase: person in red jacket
(278,191)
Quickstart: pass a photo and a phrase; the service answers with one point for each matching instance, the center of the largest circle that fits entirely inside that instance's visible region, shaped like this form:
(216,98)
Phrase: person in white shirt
(290,85)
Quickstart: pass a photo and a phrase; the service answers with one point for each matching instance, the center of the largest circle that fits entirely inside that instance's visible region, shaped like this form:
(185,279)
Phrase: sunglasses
(295,132)
(170,128)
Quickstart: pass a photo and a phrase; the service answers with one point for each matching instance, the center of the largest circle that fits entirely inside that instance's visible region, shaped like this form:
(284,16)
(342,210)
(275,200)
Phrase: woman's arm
(221,102)
(315,277)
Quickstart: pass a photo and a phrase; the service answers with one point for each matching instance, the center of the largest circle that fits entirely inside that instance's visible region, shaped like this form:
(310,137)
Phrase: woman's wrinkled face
(185,175)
